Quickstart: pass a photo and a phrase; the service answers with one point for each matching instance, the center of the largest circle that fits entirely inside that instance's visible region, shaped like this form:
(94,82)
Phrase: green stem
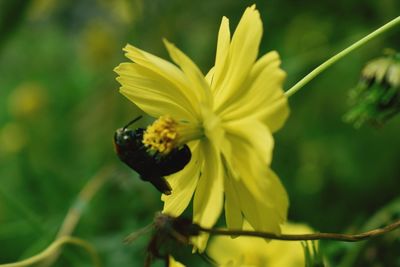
(48,256)
(54,248)
(75,212)
(340,55)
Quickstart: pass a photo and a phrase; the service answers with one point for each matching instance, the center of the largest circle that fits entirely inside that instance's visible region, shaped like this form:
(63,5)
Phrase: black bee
(152,168)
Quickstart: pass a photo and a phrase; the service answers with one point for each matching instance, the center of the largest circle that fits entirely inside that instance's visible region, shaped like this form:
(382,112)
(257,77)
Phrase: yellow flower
(226,118)
(255,252)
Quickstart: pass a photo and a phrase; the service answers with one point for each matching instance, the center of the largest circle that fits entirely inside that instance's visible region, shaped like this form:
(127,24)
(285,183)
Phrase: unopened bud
(376,98)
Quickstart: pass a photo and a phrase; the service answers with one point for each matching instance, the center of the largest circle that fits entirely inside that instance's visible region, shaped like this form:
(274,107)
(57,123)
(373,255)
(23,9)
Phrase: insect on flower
(226,117)
(151,166)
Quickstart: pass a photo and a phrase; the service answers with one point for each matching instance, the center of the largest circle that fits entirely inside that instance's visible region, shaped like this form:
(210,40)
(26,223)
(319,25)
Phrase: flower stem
(48,256)
(79,207)
(340,55)
(54,248)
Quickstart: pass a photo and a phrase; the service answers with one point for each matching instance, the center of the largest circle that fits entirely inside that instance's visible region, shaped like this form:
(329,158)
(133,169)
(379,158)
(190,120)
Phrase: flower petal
(152,93)
(251,152)
(165,69)
(210,75)
(183,184)
(264,97)
(208,198)
(242,54)
(173,263)
(266,215)
(194,76)
(262,198)
(226,251)
(224,40)
(233,213)
(254,134)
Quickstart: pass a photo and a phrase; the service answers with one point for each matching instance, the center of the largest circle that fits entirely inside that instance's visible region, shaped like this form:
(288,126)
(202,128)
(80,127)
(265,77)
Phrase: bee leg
(160,183)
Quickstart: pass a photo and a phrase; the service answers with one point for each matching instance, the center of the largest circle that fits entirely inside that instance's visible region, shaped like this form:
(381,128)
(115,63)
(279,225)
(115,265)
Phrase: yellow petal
(196,79)
(277,196)
(208,198)
(173,263)
(253,133)
(152,93)
(233,213)
(183,184)
(262,198)
(263,97)
(242,54)
(224,249)
(251,145)
(210,75)
(224,40)
(266,215)
(165,69)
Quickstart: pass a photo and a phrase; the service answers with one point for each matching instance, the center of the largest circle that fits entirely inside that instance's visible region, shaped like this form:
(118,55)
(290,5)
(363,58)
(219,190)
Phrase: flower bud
(376,98)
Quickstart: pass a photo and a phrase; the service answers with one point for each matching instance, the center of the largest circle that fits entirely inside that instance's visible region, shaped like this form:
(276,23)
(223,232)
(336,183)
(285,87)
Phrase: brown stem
(304,237)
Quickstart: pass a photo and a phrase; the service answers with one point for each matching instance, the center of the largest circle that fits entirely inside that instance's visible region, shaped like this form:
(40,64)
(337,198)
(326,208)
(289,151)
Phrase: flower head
(226,117)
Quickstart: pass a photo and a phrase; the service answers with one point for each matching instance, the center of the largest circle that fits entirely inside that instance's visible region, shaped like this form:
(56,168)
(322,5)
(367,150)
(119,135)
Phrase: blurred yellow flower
(256,252)
(123,11)
(227,119)
(40,9)
(100,37)
(27,100)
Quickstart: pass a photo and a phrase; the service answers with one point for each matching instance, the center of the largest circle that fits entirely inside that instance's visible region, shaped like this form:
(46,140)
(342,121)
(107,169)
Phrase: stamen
(161,135)
(166,134)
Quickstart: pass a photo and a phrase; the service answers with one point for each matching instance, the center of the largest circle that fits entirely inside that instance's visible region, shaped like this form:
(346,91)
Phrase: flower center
(166,134)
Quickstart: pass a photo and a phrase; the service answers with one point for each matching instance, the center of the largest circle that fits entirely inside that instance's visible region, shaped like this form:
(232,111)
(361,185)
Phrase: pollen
(162,135)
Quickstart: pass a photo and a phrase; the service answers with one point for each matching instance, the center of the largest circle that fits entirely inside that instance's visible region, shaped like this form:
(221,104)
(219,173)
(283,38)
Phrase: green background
(59,108)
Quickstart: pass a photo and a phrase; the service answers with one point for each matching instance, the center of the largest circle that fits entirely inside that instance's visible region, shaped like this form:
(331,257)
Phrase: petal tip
(127,47)
(117,69)
(167,43)
(253,9)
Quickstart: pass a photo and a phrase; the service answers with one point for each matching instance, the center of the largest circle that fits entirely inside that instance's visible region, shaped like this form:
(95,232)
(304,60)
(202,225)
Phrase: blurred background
(59,108)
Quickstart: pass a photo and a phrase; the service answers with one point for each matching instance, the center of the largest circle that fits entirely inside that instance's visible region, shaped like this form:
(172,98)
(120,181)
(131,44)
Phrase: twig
(303,237)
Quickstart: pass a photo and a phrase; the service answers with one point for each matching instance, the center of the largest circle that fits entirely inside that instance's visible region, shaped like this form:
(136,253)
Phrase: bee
(151,167)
